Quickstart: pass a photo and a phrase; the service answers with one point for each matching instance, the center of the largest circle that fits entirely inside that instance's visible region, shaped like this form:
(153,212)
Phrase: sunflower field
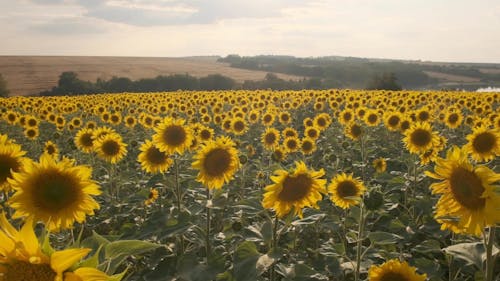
(250,185)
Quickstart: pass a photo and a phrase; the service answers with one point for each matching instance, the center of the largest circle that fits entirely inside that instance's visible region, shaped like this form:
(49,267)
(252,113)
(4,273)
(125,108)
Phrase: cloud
(69,26)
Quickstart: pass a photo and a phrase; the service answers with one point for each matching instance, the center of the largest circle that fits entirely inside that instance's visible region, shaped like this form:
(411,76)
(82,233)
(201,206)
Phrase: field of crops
(250,185)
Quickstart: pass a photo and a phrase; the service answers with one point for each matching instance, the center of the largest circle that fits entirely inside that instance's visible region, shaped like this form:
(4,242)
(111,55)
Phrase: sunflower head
(353,130)
(483,144)
(217,162)
(380,165)
(270,138)
(394,270)
(152,196)
(294,190)
(111,148)
(420,138)
(307,146)
(346,191)
(467,192)
(11,161)
(153,160)
(55,192)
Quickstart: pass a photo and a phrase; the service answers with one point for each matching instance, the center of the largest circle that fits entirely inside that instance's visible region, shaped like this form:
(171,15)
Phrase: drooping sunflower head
(468,192)
(420,138)
(294,190)
(152,196)
(279,154)
(173,136)
(217,162)
(55,192)
(380,165)
(153,160)
(270,138)
(483,144)
(353,130)
(393,270)
(11,161)
(346,191)
(110,148)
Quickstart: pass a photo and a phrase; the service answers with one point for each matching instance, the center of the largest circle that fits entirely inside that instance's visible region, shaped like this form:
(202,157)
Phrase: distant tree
(216,82)
(387,81)
(4,92)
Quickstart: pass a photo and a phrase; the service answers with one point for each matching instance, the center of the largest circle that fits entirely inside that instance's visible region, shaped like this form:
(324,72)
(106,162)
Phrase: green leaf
(383,238)
(116,252)
(118,277)
(245,260)
(473,253)
(309,220)
(92,261)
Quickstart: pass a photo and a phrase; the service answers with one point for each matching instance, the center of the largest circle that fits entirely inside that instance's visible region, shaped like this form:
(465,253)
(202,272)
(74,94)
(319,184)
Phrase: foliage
(4,92)
(386,81)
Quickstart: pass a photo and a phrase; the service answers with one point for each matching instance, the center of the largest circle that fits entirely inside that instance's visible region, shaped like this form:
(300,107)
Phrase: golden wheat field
(250,185)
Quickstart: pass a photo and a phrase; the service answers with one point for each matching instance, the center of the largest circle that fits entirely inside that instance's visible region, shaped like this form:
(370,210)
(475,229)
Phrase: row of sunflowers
(250,185)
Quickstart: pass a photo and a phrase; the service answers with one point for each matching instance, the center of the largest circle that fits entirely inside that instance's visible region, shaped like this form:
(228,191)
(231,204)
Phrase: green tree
(387,81)
(4,92)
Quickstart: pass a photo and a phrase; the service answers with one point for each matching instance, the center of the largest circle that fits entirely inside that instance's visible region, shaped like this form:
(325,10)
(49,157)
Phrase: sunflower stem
(179,202)
(490,259)
(274,245)
(360,240)
(207,238)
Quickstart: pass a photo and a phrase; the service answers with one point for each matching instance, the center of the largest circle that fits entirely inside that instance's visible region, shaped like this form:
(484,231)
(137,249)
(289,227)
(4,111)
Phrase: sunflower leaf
(383,238)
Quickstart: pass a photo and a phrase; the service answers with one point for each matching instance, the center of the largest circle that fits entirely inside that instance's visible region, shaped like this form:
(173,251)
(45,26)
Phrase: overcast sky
(437,30)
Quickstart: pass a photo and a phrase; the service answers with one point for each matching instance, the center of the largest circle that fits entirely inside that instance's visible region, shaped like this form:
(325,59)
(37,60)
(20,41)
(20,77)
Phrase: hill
(27,75)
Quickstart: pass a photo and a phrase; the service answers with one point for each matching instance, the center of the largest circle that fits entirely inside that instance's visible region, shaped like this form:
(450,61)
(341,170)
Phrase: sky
(428,30)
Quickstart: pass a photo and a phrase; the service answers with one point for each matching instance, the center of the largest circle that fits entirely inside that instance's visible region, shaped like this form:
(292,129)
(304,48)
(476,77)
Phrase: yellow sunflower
(152,159)
(11,161)
(380,165)
(279,154)
(345,190)
(22,257)
(392,120)
(152,197)
(270,138)
(291,144)
(420,138)
(110,148)
(467,192)
(84,140)
(307,146)
(483,144)
(31,133)
(353,131)
(311,132)
(394,270)
(57,193)
(453,119)
(371,118)
(51,149)
(239,126)
(217,162)
(173,136)
(294,190)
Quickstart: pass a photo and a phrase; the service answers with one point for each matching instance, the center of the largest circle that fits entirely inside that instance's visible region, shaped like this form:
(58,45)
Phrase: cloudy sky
(437,30)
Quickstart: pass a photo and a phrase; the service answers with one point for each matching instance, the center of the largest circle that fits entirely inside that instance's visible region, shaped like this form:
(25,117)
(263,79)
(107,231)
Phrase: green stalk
(274,245)
(207,237)
(179,199)
(490,259)
(361,226)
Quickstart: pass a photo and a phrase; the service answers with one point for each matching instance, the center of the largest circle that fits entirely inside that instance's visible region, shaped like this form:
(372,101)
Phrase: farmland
(251,185)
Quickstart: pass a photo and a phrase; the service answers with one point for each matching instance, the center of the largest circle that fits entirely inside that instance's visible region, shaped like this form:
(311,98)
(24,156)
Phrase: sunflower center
(484,142)
(31,133)
(355,130)
(205,134)
(267,118)
(321,122)
(467,188)
(20,270)
(111,148)
(51,149)
(372,118)
(423,116)
(217,162)
(347,116)
(55,191)
(393,121)
(393,276)
(174,135)
(295,188)
(239,126)
(420,137)
(453,118)
(32,123)
(155,156)
(291,144)
(347,189)
(405,125)
(86,140)
(6,164)
(312,133)
(307,146)
(270,138)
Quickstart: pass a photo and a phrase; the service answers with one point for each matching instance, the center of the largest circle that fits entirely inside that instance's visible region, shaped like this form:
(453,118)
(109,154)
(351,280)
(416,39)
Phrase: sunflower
(11,161)
(110,147)
(322,121)
(270,138)
(239,126)
(453,119)
(84,140)
(345,190)
(268,119)
(353,131)
(279,154)
(152,197)
(380,165)
(311,132)
(307,146)
(152,159)
(467,192)
(51,149)
(294,190)
(205,134)
(24,258)
(394,270)
(291,144)
(483,144)
(173,136)
(290,132)
(130,121)
(31,133)
(55,192)
(392,120)
(420,138)
(11,117)
(285,118)
(217,162)
(371,118)
(346,116)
